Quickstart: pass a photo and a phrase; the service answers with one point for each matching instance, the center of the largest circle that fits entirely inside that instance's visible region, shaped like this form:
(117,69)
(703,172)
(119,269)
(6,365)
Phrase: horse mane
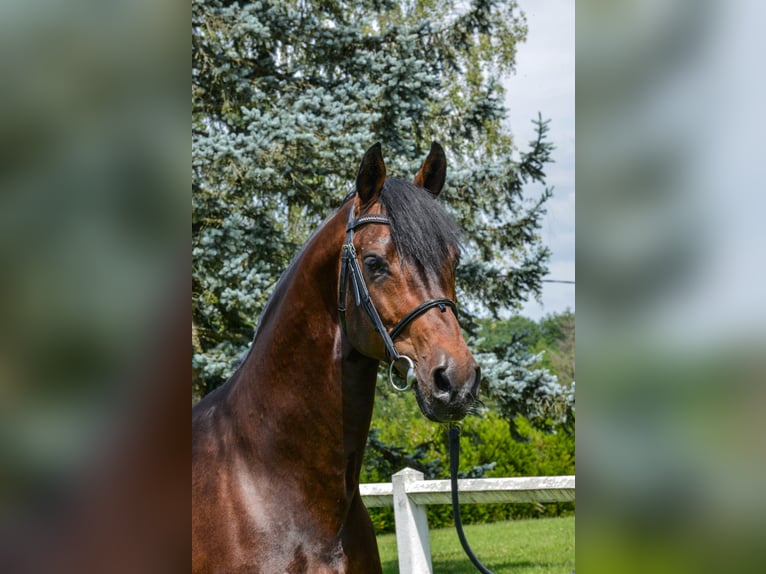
(421,228)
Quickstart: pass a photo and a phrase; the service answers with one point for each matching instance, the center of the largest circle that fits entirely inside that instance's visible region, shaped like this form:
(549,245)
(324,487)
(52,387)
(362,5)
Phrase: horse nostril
(441,381)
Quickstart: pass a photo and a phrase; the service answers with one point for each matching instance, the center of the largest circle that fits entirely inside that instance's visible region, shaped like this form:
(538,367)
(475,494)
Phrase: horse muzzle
(449,391)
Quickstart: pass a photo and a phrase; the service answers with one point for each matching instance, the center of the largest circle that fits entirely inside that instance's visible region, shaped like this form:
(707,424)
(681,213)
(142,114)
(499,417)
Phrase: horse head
(402,249)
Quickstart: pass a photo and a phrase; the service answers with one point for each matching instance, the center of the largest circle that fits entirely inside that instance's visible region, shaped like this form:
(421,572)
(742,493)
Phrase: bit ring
(409,378)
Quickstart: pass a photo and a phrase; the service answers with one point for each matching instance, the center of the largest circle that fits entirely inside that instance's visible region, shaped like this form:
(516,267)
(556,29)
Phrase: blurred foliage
(95,176)
(672,326)
(286,96)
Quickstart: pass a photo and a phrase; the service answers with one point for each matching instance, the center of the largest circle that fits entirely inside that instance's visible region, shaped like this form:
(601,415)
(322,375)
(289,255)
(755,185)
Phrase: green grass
(539,546)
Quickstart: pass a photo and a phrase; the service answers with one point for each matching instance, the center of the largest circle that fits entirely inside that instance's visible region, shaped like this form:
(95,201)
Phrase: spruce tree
(287,95)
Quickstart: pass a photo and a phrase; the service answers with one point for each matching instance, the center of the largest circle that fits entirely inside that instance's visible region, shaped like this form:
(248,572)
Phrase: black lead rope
(454,462)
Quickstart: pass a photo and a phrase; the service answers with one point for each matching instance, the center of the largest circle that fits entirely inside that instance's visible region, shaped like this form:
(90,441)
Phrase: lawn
(539,546)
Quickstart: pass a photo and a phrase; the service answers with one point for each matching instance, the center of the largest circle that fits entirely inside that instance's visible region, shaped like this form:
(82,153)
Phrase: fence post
(412,540)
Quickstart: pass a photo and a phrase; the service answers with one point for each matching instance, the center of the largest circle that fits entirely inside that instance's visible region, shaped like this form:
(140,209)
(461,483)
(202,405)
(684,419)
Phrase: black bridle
(350,270)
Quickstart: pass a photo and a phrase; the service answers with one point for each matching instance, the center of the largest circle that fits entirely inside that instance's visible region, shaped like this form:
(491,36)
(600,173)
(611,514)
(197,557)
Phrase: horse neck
(303,393)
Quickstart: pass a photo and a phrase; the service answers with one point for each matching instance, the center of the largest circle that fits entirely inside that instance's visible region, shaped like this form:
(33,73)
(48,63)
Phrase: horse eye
(375,265)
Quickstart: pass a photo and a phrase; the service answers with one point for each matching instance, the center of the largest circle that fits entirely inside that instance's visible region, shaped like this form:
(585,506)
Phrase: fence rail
(409,494)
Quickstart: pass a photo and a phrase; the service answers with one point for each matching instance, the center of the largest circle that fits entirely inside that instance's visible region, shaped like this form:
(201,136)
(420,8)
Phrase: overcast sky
(545,82)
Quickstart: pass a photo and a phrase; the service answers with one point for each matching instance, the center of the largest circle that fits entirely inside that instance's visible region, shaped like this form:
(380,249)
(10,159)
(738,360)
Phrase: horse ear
(433,171)
(371,176)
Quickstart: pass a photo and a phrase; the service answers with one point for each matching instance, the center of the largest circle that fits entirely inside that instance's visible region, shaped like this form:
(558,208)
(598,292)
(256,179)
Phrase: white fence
(409,494)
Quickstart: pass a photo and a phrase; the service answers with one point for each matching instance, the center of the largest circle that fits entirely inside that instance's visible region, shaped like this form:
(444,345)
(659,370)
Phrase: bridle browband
(350,271)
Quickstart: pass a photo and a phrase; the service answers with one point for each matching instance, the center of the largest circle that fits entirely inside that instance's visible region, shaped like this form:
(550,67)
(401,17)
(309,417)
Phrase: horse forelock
(421,229)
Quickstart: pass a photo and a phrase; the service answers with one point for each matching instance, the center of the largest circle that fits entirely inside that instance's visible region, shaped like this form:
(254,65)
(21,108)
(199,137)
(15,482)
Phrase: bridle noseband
(350,270)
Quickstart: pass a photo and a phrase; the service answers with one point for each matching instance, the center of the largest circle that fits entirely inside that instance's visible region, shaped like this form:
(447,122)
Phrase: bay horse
(277,450)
